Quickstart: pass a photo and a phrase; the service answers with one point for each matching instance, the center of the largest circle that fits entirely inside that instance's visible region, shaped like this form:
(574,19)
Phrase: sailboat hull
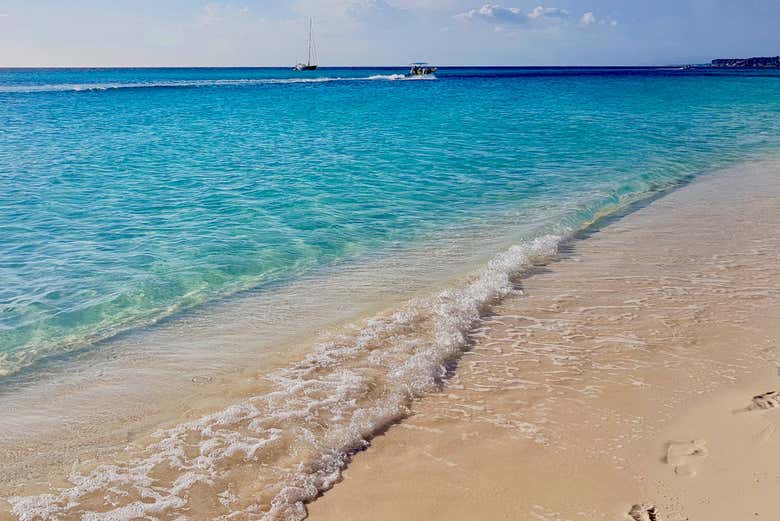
(311,49)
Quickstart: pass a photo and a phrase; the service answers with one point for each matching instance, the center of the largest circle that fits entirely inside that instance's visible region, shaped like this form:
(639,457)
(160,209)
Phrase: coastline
(618,386)
(199,362)
(543,276)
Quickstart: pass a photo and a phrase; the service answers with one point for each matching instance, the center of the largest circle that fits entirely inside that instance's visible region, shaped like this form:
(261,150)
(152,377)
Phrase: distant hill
(759,61)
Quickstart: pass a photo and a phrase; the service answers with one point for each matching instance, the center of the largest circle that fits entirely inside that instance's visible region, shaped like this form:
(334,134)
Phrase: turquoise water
(129,195)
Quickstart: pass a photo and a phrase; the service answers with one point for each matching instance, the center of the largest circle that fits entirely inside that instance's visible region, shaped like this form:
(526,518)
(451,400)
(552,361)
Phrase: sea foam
(184,84)
(266,457)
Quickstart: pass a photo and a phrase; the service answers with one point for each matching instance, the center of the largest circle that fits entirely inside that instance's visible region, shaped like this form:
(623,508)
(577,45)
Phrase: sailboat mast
(308,60)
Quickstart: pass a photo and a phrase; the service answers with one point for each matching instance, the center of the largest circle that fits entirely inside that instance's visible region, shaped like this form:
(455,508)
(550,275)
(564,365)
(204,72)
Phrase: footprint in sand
(644,512)
(682,456)
(768,400)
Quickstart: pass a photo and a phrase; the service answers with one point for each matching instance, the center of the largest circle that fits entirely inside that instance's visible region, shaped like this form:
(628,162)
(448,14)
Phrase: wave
(183,84)
(268,456)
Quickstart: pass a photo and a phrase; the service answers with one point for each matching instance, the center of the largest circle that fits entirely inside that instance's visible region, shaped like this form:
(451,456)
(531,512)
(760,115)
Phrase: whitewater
(321,245)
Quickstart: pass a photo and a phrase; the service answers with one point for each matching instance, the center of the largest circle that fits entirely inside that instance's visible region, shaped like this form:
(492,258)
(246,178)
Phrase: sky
(68,33)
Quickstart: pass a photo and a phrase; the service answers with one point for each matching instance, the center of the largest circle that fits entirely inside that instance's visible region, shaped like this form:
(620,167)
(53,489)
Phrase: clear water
(129,195)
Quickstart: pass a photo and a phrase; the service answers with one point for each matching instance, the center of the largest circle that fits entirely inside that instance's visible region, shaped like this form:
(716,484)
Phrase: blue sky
(384,32)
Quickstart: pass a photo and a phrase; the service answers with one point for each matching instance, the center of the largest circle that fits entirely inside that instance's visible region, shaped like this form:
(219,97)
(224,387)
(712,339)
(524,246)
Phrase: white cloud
(495,14)
(588,18)
(273,32)
(540,12)
(502,16)
(539,17)
(373,9)
(216,12)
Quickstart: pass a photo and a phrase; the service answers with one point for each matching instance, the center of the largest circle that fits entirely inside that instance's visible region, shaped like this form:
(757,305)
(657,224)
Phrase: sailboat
(312,50)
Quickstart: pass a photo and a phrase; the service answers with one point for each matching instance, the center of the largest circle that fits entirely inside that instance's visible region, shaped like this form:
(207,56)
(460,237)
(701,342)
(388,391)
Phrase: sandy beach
(626,380)
(389,260)
(631,377)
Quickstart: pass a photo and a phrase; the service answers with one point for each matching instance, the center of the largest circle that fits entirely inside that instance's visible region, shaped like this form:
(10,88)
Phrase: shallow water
(586,381)
(244,207)
(129,195)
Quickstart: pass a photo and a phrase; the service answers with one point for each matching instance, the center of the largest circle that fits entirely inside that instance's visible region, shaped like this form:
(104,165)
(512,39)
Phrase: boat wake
(268,456)
(184,84)
(393,77)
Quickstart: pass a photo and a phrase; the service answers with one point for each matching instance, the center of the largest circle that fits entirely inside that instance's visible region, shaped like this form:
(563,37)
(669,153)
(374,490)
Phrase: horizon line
(466,66)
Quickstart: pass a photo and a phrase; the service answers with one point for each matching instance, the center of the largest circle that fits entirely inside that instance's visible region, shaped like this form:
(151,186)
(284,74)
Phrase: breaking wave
(268,456)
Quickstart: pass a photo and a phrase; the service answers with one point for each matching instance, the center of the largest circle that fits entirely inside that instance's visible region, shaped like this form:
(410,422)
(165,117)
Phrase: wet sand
(613,383)
(616,383)
(89,406)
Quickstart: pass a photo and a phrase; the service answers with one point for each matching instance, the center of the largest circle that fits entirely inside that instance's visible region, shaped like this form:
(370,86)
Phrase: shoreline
(219,306)
(616,378)
(157,371)
(595,229)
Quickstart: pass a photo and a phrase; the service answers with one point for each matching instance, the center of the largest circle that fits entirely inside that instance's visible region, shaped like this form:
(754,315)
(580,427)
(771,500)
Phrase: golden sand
(619,382)
(630,379)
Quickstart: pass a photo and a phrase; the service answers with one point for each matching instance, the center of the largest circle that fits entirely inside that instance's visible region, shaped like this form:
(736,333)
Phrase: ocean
(134,199)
